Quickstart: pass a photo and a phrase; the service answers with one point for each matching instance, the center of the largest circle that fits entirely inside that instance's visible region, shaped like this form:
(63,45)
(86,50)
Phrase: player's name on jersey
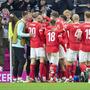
(4,77)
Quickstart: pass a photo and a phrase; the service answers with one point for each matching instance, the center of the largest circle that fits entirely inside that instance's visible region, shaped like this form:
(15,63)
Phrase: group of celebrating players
(63,41)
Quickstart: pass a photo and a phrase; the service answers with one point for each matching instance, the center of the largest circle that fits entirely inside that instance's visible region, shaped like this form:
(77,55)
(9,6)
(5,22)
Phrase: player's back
(34,29)
(72,31)
(85,27)
(85,40)
(52,40)
(60,24)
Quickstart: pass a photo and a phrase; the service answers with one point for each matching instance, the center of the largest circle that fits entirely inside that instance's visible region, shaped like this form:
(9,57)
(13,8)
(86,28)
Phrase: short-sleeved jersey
(60,24)
(72,29)
(85,40)
(52,39)
(35,29)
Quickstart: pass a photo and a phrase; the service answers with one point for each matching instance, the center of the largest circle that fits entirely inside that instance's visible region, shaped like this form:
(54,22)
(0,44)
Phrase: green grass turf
(45,86)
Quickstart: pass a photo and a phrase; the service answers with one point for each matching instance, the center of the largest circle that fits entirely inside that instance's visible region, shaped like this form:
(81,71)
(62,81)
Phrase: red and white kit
(85,43)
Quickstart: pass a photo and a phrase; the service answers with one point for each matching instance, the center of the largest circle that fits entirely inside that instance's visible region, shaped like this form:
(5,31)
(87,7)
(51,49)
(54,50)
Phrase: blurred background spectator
(18,6)
(61,5)
(9,4)
(81,7)
(44,7)
(5,18)
(25,5)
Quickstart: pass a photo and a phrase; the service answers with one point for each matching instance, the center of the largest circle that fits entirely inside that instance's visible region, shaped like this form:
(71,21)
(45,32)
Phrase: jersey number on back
(87,33)
(51,36)
(32,31)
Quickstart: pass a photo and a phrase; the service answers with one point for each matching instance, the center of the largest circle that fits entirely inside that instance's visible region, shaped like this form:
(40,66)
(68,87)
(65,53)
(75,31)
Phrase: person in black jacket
(9,4)
(44,7)
(61,5)
(26,5)
(81,7)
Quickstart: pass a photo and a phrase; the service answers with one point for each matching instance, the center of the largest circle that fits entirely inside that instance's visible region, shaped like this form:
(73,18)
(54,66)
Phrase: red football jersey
(85,41)
(43,28)
(52,39)
(60,24)
(73,42)
(35,29)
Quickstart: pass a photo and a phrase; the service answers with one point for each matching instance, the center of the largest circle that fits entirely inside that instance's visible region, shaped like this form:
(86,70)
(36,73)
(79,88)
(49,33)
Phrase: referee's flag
(10,33)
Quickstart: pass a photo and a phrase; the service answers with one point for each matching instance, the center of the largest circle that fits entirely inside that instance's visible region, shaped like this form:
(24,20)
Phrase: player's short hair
(87,14)
(24,13)
(35,14)
(67,11)
(63,17)
(55,14)
(40,18)
(75,17)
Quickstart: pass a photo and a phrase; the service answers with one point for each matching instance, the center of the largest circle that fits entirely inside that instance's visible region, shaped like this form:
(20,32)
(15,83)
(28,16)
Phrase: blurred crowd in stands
(46,6)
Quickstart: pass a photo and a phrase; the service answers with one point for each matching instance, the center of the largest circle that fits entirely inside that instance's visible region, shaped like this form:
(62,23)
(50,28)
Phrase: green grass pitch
(44,86)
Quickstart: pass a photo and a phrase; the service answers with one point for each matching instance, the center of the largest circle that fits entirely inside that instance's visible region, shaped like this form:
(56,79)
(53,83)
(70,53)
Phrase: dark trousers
(19,61)
(28,60)
(4,44)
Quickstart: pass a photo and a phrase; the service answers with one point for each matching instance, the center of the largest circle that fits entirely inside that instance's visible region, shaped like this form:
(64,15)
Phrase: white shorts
(72,55)
(37,53)
(53,58)
(62,52)
(84,56)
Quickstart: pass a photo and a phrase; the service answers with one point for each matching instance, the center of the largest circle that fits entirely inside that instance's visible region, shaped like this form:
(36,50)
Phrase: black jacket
(24,6)
(10,7)
(62,5)
(80,8)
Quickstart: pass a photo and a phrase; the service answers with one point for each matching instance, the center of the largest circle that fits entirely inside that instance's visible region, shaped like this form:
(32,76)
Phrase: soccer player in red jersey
(85,44)
(60,23)
(74,45)
(37,48)
(52,48)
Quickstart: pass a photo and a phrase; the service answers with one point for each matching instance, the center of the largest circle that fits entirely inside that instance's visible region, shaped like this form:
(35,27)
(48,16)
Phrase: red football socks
(32,71)
(42,69)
